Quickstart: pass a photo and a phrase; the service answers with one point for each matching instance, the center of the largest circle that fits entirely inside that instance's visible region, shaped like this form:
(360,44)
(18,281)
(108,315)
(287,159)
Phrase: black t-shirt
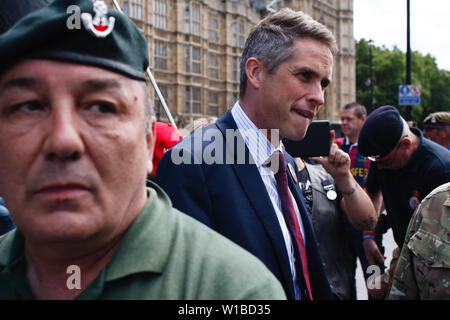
(404,189)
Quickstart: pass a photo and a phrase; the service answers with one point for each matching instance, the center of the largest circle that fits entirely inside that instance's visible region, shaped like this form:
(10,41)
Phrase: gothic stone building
(195,49)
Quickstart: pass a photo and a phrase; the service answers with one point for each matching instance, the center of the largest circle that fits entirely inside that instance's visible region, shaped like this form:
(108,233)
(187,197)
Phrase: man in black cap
(76,142)
(404,168)
(436,127)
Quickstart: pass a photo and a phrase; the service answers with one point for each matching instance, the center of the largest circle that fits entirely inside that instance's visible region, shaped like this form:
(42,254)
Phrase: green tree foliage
(389,71)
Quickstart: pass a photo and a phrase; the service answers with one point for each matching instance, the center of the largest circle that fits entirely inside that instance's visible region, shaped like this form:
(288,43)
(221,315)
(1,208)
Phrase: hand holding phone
(337,162)
(317,141)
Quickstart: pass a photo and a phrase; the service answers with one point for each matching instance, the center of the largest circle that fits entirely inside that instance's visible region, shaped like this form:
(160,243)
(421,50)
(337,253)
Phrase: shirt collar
(149,236)
(259,146)
(15,242)
(347,142)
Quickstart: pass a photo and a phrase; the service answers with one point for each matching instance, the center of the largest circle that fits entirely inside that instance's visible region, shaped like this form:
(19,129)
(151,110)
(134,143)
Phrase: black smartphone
(315,143)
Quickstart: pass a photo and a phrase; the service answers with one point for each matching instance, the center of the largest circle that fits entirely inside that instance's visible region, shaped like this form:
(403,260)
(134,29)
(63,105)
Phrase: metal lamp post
(408,55)
(372,99)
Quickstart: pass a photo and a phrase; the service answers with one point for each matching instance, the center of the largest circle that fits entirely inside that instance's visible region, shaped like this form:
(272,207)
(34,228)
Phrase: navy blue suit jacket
(230,197)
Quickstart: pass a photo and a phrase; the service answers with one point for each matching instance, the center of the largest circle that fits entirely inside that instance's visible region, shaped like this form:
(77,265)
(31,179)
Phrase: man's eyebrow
(20,82)
(309,70)
(306,69)
(101,84)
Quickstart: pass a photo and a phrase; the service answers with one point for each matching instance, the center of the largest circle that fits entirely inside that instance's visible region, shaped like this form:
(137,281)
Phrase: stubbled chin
(297,134)
(305,122)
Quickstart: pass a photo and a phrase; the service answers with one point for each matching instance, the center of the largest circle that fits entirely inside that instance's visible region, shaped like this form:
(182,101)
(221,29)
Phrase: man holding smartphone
(227,178)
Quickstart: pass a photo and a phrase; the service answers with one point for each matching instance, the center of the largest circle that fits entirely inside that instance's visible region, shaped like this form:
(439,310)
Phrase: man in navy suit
(224,175)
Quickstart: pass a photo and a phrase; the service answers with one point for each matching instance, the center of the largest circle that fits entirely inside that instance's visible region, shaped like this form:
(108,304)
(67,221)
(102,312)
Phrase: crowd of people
(94,188)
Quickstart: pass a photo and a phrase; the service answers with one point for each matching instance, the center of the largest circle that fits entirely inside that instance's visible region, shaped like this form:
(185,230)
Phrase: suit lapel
(254,189)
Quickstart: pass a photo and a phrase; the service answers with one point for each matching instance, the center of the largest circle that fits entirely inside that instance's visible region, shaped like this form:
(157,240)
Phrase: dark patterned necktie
(293,225)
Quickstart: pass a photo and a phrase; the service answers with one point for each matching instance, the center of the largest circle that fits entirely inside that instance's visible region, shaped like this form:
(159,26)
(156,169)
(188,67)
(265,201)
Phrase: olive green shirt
(164,254)
(423,269)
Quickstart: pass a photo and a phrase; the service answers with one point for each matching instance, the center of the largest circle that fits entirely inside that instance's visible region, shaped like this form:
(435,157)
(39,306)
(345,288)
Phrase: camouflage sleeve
(404,285)
(423,270)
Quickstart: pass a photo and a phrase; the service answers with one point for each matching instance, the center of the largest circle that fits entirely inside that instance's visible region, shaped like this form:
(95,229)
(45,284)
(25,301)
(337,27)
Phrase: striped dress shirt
(261,150)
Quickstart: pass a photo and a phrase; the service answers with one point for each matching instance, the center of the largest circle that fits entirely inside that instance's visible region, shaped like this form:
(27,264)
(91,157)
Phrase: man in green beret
(76,144)
(436,127)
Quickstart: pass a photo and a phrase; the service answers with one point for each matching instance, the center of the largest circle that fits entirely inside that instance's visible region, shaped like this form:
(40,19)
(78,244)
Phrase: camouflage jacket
(423,270)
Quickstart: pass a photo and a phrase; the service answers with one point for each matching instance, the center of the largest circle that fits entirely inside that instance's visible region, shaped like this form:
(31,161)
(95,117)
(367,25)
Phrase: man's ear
(405,142)
(256,72)
(150,137)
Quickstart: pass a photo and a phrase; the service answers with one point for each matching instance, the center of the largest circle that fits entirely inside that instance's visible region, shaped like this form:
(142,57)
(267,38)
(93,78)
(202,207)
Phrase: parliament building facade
(195,48)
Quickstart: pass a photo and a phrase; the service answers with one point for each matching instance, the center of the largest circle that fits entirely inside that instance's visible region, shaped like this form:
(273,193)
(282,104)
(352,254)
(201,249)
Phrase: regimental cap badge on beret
(440,118)
(99,26)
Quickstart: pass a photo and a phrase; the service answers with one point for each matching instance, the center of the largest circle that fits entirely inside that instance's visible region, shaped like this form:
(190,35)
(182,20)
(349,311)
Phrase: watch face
(331,194)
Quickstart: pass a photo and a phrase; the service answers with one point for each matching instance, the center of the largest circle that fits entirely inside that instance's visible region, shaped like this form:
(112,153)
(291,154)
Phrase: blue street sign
(408,95)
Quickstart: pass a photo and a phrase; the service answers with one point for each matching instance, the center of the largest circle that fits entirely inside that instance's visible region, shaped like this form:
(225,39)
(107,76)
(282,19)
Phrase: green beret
(93,35)
(437,119)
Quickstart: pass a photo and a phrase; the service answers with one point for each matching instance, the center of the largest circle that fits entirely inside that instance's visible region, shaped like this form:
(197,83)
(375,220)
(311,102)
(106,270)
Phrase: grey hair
(271,40)
(406,130)
(148,105)
(360,110)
